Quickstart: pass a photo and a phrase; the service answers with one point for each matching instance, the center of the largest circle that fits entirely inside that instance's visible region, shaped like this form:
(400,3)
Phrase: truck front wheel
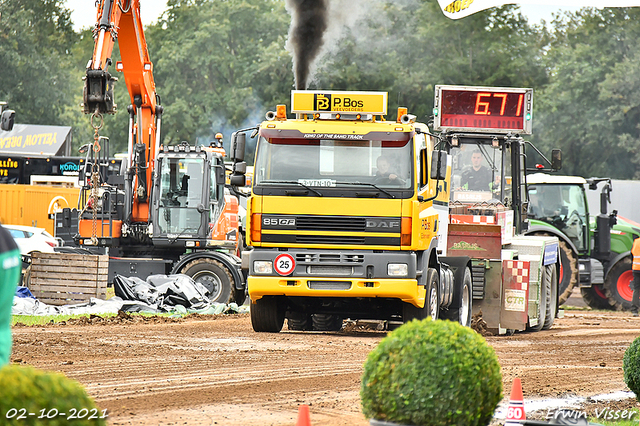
(431,302)
(267,315)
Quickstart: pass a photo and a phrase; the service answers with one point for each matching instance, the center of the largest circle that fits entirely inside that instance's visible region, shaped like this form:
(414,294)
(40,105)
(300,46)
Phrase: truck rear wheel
(326,322)
(569,272)
(267,315)
(552,296)
(545,296)
(431,302)
(617,285)
(461,307)
(213,275)
(299,321)
(595,297)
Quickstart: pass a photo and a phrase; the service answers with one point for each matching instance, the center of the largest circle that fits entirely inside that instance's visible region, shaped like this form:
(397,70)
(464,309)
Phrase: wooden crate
(64,279)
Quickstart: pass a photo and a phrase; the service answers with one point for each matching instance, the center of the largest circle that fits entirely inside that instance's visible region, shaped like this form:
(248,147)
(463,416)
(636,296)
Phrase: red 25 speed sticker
(284,264)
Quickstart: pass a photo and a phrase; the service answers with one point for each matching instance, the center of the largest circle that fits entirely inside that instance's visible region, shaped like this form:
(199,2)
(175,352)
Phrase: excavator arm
(119,20)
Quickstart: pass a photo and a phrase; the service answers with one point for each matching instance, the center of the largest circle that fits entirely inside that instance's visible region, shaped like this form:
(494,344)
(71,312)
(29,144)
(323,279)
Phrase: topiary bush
(432,373)
(631,367)
(53,398)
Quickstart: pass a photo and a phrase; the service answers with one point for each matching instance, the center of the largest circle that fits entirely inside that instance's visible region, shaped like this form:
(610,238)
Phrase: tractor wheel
(326,322)
(569,272)
(545,289)
(299,321)
(461,307)
(617,285)
(552,296)
(267,314)
(213,275)
(431,302)
(595,297)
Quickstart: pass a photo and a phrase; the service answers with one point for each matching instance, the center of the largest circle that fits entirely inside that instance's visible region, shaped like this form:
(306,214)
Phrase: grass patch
(48,319)
(53,319)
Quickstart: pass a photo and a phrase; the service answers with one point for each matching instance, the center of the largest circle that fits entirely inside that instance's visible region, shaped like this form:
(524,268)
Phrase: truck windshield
(477,173)
(563,206)
(181,190)
(328,162)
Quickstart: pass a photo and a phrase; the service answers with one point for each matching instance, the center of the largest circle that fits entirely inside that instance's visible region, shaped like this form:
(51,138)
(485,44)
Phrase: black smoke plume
(308,24)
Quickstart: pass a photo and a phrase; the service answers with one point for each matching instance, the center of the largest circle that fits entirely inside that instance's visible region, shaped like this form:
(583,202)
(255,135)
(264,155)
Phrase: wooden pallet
(63,278)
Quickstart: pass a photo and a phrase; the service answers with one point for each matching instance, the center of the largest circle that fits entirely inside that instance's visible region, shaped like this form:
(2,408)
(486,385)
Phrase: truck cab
(343,217)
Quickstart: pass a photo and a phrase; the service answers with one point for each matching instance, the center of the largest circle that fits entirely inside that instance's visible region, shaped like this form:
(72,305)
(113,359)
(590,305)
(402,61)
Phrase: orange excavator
(170,211)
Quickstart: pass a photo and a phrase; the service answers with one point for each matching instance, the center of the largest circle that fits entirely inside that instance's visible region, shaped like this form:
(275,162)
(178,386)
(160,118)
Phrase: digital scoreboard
(483,109)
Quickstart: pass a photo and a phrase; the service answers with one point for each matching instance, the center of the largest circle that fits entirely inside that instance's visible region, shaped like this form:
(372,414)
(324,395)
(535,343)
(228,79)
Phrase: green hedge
(28,396)
(631,367)
(432,373)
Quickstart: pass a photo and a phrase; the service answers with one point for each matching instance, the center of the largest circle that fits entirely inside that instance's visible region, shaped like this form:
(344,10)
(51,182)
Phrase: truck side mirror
(556,159)
(238,176)
(220,175)
(237,150)
(438,165)
(7,120)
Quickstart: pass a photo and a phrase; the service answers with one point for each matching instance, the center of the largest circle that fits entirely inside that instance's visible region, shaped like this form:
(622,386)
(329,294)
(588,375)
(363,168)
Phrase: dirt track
(216,370)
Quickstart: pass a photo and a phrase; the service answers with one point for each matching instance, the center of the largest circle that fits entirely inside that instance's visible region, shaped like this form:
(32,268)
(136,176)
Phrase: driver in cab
(476,177)
(384,174)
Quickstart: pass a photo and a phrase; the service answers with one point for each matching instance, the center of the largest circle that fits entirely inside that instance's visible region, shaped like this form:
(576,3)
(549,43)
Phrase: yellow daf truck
(348,218)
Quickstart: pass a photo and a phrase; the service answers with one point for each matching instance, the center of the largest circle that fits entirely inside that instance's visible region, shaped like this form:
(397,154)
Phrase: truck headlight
(397,269)
(263,267)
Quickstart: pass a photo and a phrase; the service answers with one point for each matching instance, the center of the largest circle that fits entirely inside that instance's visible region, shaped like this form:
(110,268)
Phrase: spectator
(635,284)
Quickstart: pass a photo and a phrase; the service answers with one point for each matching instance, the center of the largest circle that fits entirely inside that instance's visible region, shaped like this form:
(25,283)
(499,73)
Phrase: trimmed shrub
(432,373)
(631,367)
(25,390)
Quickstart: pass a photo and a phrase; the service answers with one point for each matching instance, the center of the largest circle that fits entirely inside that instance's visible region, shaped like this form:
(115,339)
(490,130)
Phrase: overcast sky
(83,12)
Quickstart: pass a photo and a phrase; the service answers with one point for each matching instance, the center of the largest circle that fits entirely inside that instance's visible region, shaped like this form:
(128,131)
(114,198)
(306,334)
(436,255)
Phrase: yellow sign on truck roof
(318,101)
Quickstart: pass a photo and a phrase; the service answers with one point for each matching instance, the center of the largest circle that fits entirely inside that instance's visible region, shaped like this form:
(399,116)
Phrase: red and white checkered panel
(519,269)
(485,220)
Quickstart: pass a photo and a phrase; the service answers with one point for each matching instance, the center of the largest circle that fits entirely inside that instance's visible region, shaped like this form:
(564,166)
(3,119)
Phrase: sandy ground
(207,370)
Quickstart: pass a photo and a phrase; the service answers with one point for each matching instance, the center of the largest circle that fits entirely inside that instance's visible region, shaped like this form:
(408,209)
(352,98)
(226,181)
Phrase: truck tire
(326,322)
(617,285)
(461,307)
(267,315)
(595,297)
(542,306)
(213,275)
(431,302)
(299,321)
(552,296)
(569,271)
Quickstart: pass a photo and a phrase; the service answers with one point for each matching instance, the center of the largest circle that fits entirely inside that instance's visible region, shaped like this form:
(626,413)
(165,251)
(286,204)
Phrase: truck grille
(329,270)
(329,285)
(329,257)
(331,223)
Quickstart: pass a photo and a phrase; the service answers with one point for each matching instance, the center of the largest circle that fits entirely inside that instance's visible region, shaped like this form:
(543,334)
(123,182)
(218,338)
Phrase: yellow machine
(350,217)
(344,216)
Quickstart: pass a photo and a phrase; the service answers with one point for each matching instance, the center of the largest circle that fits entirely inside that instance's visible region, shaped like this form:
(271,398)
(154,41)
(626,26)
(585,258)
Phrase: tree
(36,40)
(217,63)
(587,107)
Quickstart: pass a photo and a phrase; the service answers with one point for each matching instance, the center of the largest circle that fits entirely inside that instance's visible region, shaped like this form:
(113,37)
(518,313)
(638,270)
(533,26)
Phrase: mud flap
(515,294)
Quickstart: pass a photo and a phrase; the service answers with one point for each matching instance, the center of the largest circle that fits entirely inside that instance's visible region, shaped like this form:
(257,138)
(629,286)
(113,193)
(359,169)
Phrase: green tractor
(595,250)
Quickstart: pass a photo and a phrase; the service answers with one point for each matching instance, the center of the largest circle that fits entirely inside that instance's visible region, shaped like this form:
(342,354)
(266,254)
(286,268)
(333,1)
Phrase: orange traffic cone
(515,412)
(303,416)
